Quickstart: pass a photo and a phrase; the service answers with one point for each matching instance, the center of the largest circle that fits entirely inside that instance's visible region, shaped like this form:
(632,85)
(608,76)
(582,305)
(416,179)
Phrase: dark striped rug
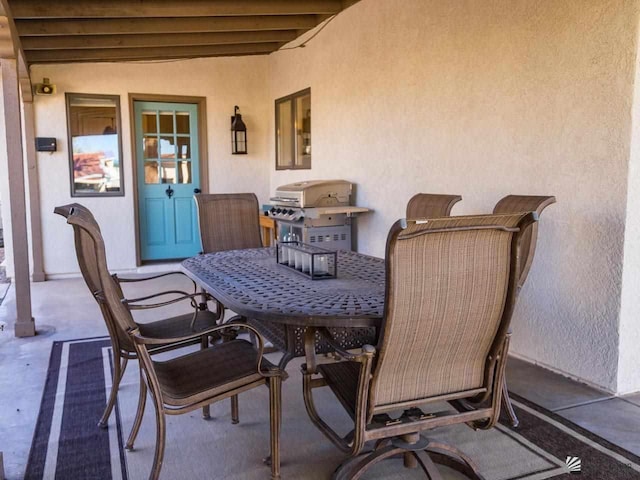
(67,444)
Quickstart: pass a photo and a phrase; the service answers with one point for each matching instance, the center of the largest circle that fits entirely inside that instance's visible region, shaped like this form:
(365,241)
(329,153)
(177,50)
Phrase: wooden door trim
(201,102)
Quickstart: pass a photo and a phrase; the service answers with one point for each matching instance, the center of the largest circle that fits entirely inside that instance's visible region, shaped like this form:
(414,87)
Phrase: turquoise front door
(167,162)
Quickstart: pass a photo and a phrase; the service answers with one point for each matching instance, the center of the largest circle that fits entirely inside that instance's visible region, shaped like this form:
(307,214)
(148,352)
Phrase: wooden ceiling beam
(41,9)
(127,54)
(163,25)
(156,40)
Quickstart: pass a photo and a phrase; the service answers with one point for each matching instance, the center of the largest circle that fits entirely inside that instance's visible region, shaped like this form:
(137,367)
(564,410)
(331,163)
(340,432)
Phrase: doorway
(168,171)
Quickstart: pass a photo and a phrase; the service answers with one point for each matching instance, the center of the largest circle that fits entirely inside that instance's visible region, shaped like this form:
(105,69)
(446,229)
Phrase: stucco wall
(484,99)
(629,330)
(224,82)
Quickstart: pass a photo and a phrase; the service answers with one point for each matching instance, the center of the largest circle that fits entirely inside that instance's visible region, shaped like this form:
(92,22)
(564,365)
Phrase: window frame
(294,143)
(69,97)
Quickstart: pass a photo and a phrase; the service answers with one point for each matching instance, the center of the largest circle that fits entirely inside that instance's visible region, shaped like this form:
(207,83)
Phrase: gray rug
(67,444)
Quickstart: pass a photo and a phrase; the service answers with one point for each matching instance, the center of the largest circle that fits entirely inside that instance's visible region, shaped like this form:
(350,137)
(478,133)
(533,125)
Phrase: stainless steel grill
(315,212)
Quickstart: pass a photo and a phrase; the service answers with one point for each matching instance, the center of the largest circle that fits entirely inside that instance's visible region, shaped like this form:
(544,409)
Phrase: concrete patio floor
(64,310)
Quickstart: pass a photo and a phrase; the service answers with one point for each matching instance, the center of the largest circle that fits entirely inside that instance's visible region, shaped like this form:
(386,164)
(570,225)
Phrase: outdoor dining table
(281,303)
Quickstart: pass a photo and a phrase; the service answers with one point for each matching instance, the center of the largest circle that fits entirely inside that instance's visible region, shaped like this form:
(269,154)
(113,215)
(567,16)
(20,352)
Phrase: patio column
(25,325)
(37,274)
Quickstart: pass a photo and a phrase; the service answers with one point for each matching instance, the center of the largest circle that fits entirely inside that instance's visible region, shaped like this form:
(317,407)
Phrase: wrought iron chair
(450,291)
(193,380)
(431,205)
(122,345)
(518,204)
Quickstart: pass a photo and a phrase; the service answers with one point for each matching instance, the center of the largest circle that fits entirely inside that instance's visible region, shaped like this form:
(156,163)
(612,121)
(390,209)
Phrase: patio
(478,99)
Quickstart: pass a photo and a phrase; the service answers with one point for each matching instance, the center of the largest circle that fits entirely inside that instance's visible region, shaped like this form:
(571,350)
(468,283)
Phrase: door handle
(169,191)
(196,190)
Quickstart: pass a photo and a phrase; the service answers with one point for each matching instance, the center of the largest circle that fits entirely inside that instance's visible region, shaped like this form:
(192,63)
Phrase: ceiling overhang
(67,31)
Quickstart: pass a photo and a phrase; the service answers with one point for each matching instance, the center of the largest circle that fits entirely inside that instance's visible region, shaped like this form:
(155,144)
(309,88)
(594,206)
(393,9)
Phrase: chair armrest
(152,277)
(131,302)
(144,279)
(142,340)
(367,352)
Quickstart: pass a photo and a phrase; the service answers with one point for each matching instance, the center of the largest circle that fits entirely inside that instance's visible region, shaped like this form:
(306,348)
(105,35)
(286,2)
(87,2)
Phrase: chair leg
(235,415)
(275,409)
(206,410)
(161,434)
(355,467)
(142,401)
(453,458)
(118,372)
(506,402)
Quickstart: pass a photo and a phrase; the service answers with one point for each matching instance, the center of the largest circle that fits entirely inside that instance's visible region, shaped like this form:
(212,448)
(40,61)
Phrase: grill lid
(313,193)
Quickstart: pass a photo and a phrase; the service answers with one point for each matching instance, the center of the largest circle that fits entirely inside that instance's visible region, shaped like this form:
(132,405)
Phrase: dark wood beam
(128,54)
(40,9)
(155,40)
(164,25)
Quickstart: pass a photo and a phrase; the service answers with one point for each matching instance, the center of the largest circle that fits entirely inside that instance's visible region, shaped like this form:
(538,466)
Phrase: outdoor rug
(68,444)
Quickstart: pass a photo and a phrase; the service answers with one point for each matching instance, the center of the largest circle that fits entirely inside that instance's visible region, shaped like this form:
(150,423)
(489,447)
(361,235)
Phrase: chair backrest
(450,291)
(431,205)
(228,221)
(90,252)
(519,204)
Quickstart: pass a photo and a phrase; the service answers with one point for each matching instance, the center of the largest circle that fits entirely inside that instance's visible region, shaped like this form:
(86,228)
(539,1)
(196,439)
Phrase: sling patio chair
(122,345)
(192,380)
(519,204)
(431,205)
(451,286)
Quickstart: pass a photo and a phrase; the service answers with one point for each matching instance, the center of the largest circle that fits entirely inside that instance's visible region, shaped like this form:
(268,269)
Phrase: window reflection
(93,128)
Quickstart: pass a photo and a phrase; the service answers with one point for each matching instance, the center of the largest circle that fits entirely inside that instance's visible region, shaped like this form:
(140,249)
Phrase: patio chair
(193,380)
(431,205)
(450,292)
(123,348)
(228,221)
(519,204)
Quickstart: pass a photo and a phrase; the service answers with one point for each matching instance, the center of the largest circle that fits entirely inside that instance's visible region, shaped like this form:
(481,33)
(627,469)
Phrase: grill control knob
(290,212)
(279,210)
(272,210)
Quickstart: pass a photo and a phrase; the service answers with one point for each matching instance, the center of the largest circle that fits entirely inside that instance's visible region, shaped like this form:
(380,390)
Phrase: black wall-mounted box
(46,144)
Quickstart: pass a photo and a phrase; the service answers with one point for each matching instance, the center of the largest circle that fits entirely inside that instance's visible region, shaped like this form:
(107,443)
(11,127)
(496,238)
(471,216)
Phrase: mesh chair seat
(209,372)
(178,326)
(342,378)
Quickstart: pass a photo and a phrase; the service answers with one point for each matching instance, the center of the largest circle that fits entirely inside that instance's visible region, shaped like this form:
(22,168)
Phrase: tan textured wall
(484,99)
(629,330)
(224,82)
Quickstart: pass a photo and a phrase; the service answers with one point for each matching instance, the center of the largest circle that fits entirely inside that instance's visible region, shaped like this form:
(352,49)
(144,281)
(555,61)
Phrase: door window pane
(167,147)
(149,124)
(184,147)
(166,122)
(168,171)
(150,147)
(151,172)
(182,122)
(184,172)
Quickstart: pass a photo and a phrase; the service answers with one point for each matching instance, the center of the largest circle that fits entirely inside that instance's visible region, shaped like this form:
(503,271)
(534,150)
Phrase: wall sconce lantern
(238,134)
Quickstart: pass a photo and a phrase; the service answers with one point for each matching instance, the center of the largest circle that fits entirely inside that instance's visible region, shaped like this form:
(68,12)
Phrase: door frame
(201,102)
